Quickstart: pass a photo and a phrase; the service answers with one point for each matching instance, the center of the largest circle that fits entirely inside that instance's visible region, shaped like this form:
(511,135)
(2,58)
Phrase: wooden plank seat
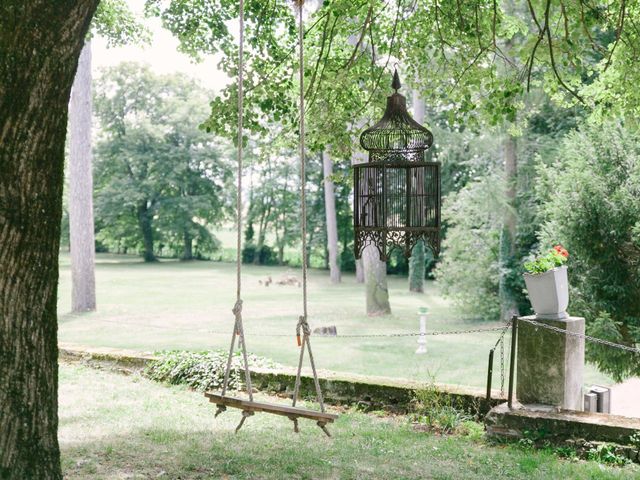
(249,408)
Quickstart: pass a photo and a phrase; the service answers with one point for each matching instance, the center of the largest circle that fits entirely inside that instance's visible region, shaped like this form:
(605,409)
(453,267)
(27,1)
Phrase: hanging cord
(238,329)
(303,325)
(303,176)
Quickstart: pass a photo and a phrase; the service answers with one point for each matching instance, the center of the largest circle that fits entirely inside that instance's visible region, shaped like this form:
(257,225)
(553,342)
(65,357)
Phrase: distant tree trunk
(359,271)
(417,268)
(332,220)
(187,253)
(40,43)
(375,273)
(146,228)
(508,306)
(82,239)
(417,260)
(360,275)
(262,233)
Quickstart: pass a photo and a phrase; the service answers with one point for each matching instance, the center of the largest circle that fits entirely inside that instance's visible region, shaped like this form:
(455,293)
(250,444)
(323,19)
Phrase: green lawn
(177,305)
(139,429)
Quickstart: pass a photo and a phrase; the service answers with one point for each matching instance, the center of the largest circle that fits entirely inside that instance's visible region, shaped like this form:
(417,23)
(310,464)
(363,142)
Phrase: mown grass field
(137,429)
(178,305)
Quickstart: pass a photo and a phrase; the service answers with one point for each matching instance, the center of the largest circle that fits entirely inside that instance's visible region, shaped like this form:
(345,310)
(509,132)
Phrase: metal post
(512,366)
(490,374)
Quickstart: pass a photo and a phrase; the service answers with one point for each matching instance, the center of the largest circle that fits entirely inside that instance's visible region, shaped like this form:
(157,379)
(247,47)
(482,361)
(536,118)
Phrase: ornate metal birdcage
(397,192)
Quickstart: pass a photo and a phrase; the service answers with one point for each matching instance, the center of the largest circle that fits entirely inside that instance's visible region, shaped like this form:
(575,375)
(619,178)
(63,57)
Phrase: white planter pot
(549,293)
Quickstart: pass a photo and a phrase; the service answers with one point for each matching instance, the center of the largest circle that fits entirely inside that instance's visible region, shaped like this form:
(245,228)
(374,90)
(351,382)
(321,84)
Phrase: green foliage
(607,453)
(161,182)
(437,412)
(546,261)
(469,271)
(115,21)
(201,370)
(591,203)
(266,255)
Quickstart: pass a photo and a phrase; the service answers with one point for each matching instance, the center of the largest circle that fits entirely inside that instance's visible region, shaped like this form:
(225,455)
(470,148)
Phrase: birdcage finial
(395,84)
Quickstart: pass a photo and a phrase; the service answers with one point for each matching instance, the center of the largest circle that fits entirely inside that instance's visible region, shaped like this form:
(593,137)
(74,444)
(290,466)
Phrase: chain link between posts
(581,335)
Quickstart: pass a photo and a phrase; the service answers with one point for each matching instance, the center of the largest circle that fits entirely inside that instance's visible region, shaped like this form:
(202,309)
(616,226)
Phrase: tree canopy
(160,180)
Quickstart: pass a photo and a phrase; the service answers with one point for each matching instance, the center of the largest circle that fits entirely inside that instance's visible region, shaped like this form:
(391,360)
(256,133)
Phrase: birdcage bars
(396,193)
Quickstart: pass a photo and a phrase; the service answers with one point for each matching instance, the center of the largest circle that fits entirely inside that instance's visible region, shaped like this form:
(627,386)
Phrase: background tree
(36,75)
(417,260)
(155,167)
(81,225)
(591,204)
(116,22)
(331,218)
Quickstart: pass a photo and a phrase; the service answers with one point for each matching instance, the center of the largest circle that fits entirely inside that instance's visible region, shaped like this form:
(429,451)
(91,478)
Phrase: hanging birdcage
(397,192)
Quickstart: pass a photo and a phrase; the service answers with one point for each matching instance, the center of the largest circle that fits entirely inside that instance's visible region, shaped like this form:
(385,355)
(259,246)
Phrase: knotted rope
(303,325)
(238,329)
(306,332)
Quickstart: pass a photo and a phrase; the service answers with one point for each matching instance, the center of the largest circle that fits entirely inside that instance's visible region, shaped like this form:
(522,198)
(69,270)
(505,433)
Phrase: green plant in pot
(547,284)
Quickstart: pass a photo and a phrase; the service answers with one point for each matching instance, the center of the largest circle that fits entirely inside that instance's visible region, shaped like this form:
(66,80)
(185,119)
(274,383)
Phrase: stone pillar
(550,365)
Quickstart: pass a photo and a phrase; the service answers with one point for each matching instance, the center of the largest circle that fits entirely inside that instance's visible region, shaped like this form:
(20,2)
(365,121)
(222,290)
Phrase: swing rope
(302,327)
(302,321)
(238,329)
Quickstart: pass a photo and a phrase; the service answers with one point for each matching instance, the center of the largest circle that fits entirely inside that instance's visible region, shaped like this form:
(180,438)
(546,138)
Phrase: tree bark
(40,42)
(508,306)
(146,228)
(417,265)
(360,277)
(359,271)
(83,292)
(375,272)
(187,253)
(331,218)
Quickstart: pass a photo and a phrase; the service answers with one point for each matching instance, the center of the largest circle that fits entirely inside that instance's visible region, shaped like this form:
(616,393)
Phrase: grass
(140,429)
(187,305)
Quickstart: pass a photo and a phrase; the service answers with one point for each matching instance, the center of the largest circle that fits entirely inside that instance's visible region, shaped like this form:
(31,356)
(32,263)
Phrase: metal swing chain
(303,325)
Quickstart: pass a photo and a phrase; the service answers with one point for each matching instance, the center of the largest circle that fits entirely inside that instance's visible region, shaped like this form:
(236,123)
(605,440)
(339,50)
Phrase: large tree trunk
(332,220)
(359,271)
(146,228)
(83,280)
(508,306)
(40,42)
(375,272)
(417,259)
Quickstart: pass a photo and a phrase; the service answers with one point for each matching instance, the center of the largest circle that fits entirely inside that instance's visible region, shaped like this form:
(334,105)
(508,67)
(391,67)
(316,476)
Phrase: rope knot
(237,308)
(303,325)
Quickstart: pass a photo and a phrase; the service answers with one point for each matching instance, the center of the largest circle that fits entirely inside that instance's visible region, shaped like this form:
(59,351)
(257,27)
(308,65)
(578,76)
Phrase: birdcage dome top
(397,131)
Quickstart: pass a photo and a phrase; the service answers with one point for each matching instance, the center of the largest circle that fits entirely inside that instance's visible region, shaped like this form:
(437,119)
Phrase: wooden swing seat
(284,410)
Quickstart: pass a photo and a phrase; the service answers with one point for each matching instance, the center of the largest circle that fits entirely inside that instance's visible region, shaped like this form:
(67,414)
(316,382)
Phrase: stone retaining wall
(367,392)
(579,430)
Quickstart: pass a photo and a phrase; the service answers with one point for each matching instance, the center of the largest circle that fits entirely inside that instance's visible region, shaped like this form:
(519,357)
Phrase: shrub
(591,204)
(201,370)
(437,412)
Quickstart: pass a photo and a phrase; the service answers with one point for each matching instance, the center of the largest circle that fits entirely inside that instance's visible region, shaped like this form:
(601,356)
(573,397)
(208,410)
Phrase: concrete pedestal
(550,365)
